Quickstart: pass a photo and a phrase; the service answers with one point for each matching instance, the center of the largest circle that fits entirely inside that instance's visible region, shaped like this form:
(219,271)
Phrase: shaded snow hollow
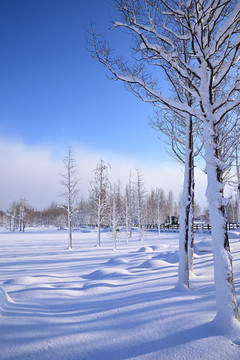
(96,304)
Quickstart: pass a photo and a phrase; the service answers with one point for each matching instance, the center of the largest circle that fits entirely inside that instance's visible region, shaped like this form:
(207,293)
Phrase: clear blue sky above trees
(51,91)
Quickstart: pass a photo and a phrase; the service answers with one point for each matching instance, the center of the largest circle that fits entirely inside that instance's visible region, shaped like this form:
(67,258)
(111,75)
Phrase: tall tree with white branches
(22,204)
(181,146)
(115,212)
(208,69)
(129,207)
(12,214)
(99,194)
(140,193)
(70,181)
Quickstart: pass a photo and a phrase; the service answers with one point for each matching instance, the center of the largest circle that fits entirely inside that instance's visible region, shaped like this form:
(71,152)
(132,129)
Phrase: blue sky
(53,92)
(52,95)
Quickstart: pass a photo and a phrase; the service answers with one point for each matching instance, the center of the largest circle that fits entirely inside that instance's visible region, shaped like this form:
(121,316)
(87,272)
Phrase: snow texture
(95,304)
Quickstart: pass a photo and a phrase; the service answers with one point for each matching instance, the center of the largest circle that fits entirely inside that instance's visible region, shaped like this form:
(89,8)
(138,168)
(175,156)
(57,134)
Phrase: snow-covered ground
(91,303)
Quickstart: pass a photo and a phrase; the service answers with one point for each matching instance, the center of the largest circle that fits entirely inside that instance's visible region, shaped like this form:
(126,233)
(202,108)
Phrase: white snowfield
(93,303)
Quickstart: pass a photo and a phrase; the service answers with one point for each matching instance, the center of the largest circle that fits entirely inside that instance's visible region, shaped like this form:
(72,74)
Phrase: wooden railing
(196,227)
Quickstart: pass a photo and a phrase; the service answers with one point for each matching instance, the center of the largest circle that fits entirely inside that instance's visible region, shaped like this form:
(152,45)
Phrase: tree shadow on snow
(148,348)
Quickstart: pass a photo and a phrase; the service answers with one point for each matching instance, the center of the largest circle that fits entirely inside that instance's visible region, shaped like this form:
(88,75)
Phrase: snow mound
(156,247)
(4,298)
(99,284)
(26,280)
(182,288)
(154,264)
(107,273)
(169,257)
(146,249)
(235,234)
(116,261)
(55,276)
(203,246)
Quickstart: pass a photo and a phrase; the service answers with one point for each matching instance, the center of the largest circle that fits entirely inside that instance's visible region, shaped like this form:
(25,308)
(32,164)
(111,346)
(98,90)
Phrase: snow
(93,303)
(204,245)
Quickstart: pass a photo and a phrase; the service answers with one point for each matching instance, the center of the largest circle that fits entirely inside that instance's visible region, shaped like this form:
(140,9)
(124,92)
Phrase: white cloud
(33,172)
(27,171)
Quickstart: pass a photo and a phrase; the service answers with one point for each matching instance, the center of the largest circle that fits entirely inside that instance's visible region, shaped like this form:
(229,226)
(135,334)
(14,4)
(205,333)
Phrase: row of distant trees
(20,214)
(134,206)
(107,204)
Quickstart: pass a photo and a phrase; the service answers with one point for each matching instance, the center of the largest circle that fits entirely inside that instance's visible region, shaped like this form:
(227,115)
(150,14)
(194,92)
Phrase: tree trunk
(140,232)
(69,225)
(69,201)
(99,227)
(185,232)
(130,205)
(127,218)
(238,186)
(114,225)
(226,302)
(10,223)
(159,224)
(70,233)
(191,208)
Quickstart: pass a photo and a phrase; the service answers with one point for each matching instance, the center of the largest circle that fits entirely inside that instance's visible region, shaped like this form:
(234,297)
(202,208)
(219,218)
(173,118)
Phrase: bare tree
(12,215)
(129,207)
(127,214)
(115,213)
(232,207)
(99,192)
(210,73)
(70,181)
(156,208)
(22,205)
(140,193)
(183,122)
(114,223)
(3,219)
(161,203)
